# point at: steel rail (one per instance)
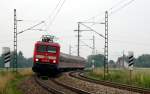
(47, 88)
(74, 89)
(111, 84)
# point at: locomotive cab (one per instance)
(46, 56)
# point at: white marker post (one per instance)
(130, 60)
(130, 65)
(6, 56)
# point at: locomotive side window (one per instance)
(51, 49)
(41, 48)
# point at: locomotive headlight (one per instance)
(54, 61)
(36, 59)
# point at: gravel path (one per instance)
(57, 87)
(29, 86)
(91, 87)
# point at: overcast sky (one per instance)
(129, 27)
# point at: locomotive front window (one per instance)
(41, 48)
(51, 49)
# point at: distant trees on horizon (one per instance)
(23, 62)
(141, 61)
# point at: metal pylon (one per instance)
(15, 43)
(106, 46)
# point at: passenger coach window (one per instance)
(51, 49)
(41, 48)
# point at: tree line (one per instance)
(141, 61)
(23, 62)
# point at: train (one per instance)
(48, 59)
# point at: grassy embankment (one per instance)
(140, 77)
(10, 80)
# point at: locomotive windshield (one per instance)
(51, 49)
(44, 48)
(41, 48)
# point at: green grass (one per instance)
(9, 81)
(140, 77)
(12, 85)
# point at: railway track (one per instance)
(54, 90)
(79, 75)
(46, 87)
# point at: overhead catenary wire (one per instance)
(86, 45)
(116, 5)
(55, 15)
(120, 8)
(93, 30)
(110, 10)
(57, 12)
(53, 12)
(41, 22)
(54, 9)
(30, 28)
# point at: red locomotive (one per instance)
(48, 59)
(46, 55)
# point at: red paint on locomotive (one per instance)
(46, 56)
(46, 52)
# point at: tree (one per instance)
(98, 60)
(143, 61)
(22, 61)
(1, 62)
(112, 64)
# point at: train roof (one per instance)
(71, 56)
(47, 43)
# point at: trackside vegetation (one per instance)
(140, 76)
(9, 81)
